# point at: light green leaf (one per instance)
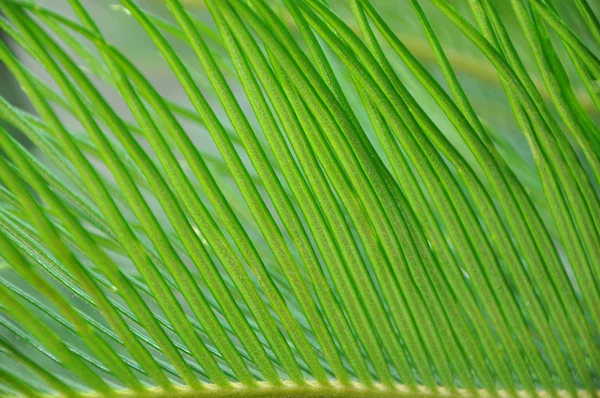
(328, 206)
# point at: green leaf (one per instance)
(323, 209)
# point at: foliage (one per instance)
(328, 212)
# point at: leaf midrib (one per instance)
(313, 390)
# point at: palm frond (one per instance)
(329, 207)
